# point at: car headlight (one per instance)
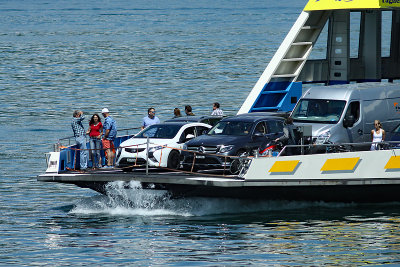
(155, 148)
(323, 138)
(225, 149)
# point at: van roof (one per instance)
(368, 90)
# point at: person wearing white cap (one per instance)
(109, 134)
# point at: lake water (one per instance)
(57, 56)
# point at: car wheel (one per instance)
(173, 160)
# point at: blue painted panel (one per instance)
(278, 96)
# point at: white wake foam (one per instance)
(130, 199)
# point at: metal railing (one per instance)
(339, 147)
(71, 139)
(243, 161)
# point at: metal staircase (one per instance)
(277, 89)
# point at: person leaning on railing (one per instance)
(288, 137)
(79, 134)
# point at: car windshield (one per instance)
(161, 131)
(318, 111)
(231, 128)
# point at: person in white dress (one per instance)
(377, 135)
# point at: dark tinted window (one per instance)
(202, 130)
(231, 128)
(188, 134)
(211, 121)
(354, 110)
(275, 126)
(159, 131)
(261, 128)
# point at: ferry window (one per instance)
(386, 33)
(319, 50)
(355, 20)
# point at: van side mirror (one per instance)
(348, 121)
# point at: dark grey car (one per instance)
(233, 136)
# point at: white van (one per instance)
(346, 113)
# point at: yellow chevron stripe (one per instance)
(343, 164)
(393, 163)
(284, 166)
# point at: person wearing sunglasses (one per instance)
(150, 119)
(377, 135)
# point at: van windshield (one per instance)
(231, 128)
(318, 111)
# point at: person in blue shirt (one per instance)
(109, 134)
(150, 119)
(79, 134)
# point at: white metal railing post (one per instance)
(147, 156)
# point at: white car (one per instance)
(165, 142)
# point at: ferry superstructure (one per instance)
(349, 176)
(280, 85)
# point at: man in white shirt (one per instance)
(216, 110)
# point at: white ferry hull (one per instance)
(368, 176)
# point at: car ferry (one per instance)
(340, 173)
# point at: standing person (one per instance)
(94, 131)
(150, 119)
(79, 134)
(109, 134)
(288, 137)
(377, 135)
(177, 113)
(216, 110)
(188, 110)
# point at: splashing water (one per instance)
(130, 199)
